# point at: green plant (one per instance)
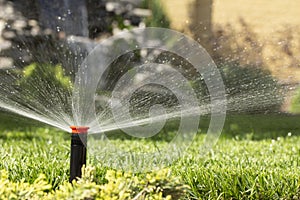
(46, 75)
(248, 89)
(22, 190)
(251, 89)
(119, 186)
(159, 17)
(43, 85)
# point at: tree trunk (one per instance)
(201, 21)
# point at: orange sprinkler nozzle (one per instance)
(79, 129)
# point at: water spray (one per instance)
(78, 150)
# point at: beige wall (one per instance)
(178, 11)
(264, 15)
(281, 51)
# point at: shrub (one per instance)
(45, 74)
(119, 185)
(43, 86)
(251, 89)
(159, 17)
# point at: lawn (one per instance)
(257, 157)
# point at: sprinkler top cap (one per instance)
(79, 129)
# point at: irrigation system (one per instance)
(78, 150)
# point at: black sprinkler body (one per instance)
(78, 151)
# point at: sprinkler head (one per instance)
(78, 151)
(79, 129)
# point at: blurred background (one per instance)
(254, 43)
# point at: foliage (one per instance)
(295, 103)
(22, 190)
(240, 43)
(45, 75)
(156, 185)
(159, 17)
(121, 186)
(251, 89)
(237, 45)
(285, 44)
(248, 89)
(239, 55)
(38, 81)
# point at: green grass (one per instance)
(26, 152)
(241, 169)
(257, 157)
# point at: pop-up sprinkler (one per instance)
(78, 150)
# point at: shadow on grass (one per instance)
(15, 127)
(13, 122)
(241, 126)
(261, 126)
